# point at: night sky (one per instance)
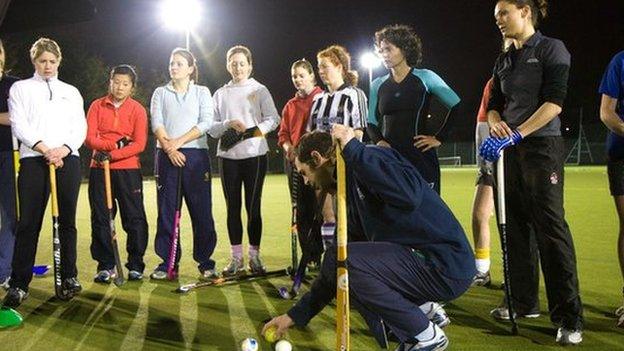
(460, 40)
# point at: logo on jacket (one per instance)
(532, 60)
(554, 178)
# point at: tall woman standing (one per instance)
(182, 113)
(245, 106)
(47, 117)
(529, 87)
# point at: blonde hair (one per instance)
(45, 45)
(338, 55)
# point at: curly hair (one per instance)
(405, 38)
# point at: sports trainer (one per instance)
(530, 85)
(612, 115)
(417, 251)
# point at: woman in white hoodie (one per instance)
(244, 109)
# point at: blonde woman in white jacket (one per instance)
(47, 116)
(244, 108)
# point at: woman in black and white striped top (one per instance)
(341, 103)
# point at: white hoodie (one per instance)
(251, 103)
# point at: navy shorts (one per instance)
(615, 170)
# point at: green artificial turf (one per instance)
(148, 316)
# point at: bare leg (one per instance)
(619, 206)
(482, 209)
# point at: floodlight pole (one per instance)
(188, 39)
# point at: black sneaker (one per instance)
(71, 286)
(135, 275)
(14, 297)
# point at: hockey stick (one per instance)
(502, 227)
(175, 234)
(305, 259)
(342, 273)
(56, 241)
(16, 167)
(183, 289)
(119, 278)
(294, 230)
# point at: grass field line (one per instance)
(135, 337)
(188, 319)
(44, 329)
(102, 308)
(265, 299)
(241, 324)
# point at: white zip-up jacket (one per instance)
(251, 103)
(48, 111)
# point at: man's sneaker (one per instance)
(14, 297)
(482, 279)
(234, 267)
(5, 283)
(71, 286)
(502, 314)
(104, 276)
(255, 265)
(436, 313)
(437, 343)
(158, 275)
(208, 275)
(135, 275)
(620, 322)
(569, 336)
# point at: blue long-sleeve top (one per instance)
(389, 201)
(179, 112)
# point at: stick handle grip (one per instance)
(107, 185)
(55, 211)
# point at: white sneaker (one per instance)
(436, 313)
(620, 314)
(439, 342)
(5, 283)
(569, 336)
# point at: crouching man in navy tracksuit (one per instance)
(416, 250)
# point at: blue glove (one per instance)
(491, 148)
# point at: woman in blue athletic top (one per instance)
(400, 102)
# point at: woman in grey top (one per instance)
(245, 108)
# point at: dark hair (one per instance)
(403, 37)
(126, 70)
(305, 64)
(315, 141)
(190, 60)
(539, 8)
(338, 55)
(239, 49)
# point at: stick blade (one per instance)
(119, 281)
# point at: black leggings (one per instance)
(249, 173)
(34, 190)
